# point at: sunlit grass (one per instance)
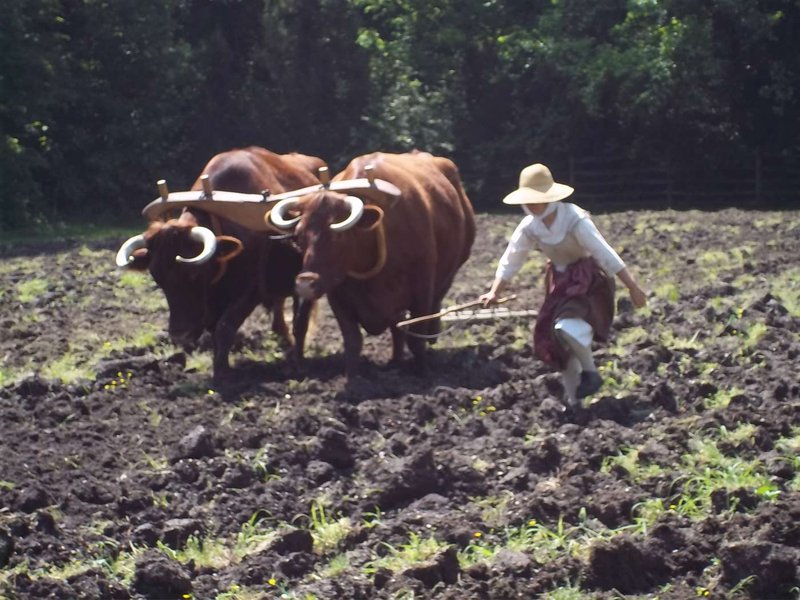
(707, 470)
(335, 567)
(68, 368)
(236, 591)
(738, 435)
(494, 509)
(200, 362)
(404, 556)
(217, 553)
(542, 542)
(721, 398)
(6, 376)
(786, 287)
(146, 336)
(669, 339)
(628, 460)
(327, 531)
(134, 280)
(618, 381)
(32, 289)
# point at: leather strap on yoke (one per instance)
(381, 243)
(222, 262)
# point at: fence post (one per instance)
(669, 172)
(758, 176)
(571, 168)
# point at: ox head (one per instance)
(183, 258)
(336, 235)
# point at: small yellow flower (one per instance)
(272, 581)
(477, 534)
(490, 409)
(532, 522)
(211, 392)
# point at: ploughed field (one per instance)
(124, 474)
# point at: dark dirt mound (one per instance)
(124, 475)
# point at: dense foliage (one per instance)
(98, 98)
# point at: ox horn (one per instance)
(356, 210)
(206, 237)
(131, 245)
(278, 214)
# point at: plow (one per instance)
(469, 312)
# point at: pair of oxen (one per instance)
(383, 239)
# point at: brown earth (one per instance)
(134, 455)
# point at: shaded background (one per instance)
(638, 103)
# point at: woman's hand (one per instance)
(488, 298)
(638, 296)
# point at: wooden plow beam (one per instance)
(447, 314)
(490, 313)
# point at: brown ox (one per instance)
(214, 272)
(376, 261)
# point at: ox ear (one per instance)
(371, 218)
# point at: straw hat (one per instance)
(536, 186)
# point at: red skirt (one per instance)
(582, 291)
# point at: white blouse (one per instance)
(571, 236)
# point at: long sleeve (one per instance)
(516, 252)
(593, 241)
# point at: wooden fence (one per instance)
(614, 183)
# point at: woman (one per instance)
(579, 280)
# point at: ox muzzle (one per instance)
(306, 285)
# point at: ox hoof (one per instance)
(223, 377)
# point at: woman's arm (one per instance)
(590, 238)
(490, 297)
(638, 295)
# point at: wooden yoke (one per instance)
(206, 183)
(249, 210)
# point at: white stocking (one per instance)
(571, 376)
(577, 336)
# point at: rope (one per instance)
(430, 336)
